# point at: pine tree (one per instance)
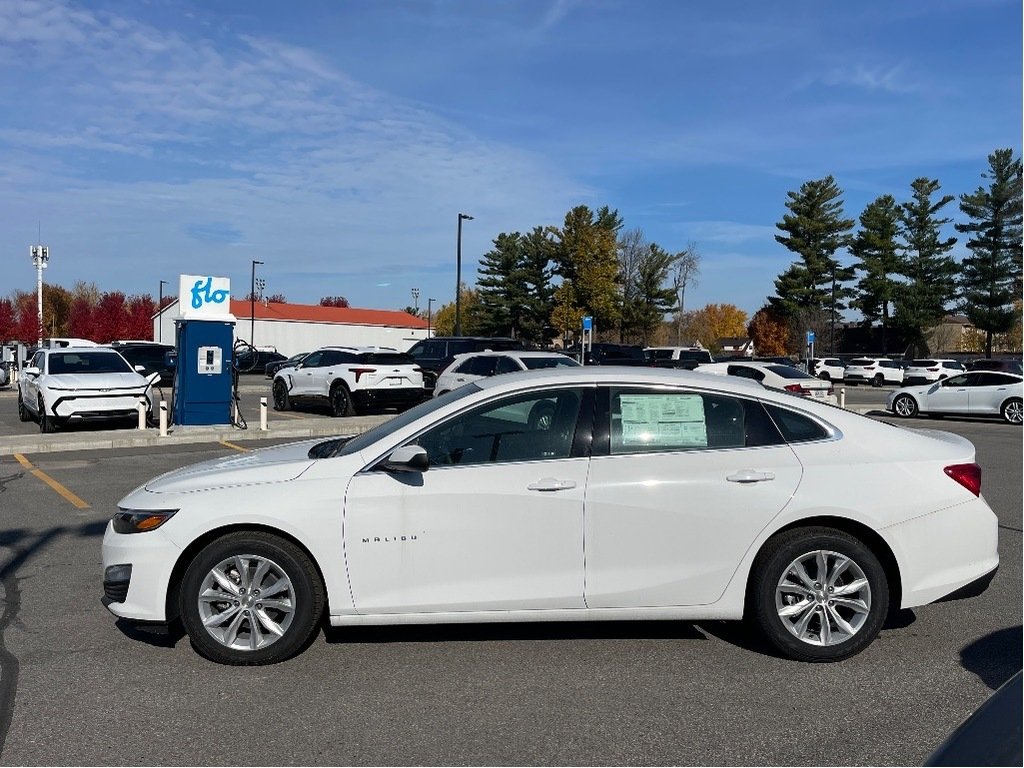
(651, 298)
(534, 273)
(990, 278)
(875, 248)
(816, 231)
(499, 293)
(925, 262)
(585, 257)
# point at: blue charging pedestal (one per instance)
(202, 377)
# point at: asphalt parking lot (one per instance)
(76, 687)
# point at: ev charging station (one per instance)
(204, 338)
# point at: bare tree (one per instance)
(686, 273)
(630, 250)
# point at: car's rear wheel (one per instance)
(878, 380)
(1012, 411)
(281, 400)
(341, 400)
(904, 406)
(818, 594)
(23, 412)
(824, 376)
(251, 598)
(47, 423)
(541, 416)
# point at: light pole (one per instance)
(160, 312)
(416, 299)
(252, 305)
(40, 258)
(458, 276)
(430, 303)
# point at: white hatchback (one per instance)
(649, 494)
(473, 366)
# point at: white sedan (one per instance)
(73, 384)
(978, 393)
(650, 494)
(473, 366)
(785, 378)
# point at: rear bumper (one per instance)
(971, 589)
(385, 397)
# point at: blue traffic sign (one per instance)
(588, 323)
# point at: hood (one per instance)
(96, 381)
(268, 465)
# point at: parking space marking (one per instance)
(290, 415)
(236, 447)
(68, 495)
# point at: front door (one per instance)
(688, 481)
(952, 394)
(495, 523)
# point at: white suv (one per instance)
(928, 371)
(875, 371)
(73, 384)
(827, 368)
(472, 366)
(350, 378)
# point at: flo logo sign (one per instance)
(204, 296)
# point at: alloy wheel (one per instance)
(823, 598)
(905, 406)
(1013, 412)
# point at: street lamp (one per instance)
(458, 276)
(160, 312)
(416, 299)
(430, 302)
(252, 305)
(40, 258)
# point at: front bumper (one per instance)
(151, 556)
(95, 406)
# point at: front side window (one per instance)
(526, 427)
(480, 366)
(555, 361)
(315, 360)
(647, 421)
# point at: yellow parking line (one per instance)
(290, 415)
(77, 502)
(236, 447)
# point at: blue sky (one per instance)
(337, 141)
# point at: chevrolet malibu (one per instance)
(646, 494)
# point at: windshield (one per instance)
(88, 362)
(400, 421)
(557, 361)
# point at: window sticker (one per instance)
(669, 421)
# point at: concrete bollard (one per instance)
(163, 418)
(141, 408)
(842, 397)
(263, 414)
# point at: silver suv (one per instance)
(349, 379)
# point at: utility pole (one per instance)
(458, 276)
(252, 305)
(40, 258)
(160, 312)
(430, 302)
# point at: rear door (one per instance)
(681, 482)
(991, 392)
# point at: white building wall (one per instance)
(290, 337)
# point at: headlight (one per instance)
(141, 520)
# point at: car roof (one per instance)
(509, 353)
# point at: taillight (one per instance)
(797, 388)
(831, 390)
(968, 475)
(360, 371)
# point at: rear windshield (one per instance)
(88, 362)
(386, 358)
(557, 361)
(923, 363)
(862, 361)
(787, 372)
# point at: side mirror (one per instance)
(408, 458)
(31, 370)
(153, 378)
(935, 388)
(140, 369)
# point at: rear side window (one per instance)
(746, 373)
(786, 372)
(555, 361)
(385, 358)
(506, 365)
(652, 421)
(795, 427)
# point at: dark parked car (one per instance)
(277, 365)
(151, 356)
(436, 354)
(604, 353)
(990, 736)
(247, 362)
(1003, 366)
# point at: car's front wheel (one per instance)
(905, 406)
(1012, 411)
(281, 400)
(23, 412)
(47, 423)
(251, 598)
(818, 594)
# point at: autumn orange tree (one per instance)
(769, 331)
(713, 322)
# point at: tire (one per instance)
(280, 392)
(47, 423)
(815, 618)
(242, 636)
(905, 406)
(878, 380)
(1012, 411)
(341, 400)
(824, 376)
(23, 412)
(541, 416)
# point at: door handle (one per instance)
(750, 476)
(551, 484)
